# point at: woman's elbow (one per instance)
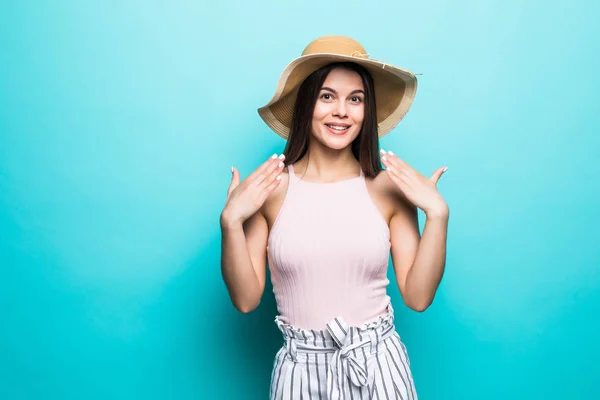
(419, 305)
(246, 307)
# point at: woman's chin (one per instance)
(337, 142)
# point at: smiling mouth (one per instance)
(338, 129)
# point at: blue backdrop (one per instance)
(119, 122)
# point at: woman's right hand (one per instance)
(244, 199)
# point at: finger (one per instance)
(395, 177)
(437, 174)
(275, 173)
(389, 158)
(274, 183)
(261, 172)
(262, 180)
(235, 181)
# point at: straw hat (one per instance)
(395, 87)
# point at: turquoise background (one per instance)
(119, 122)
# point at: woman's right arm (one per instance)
(243, 260)
(244, 234)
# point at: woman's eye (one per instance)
(326, 96)
(356, 99)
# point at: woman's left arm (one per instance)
(419, 261)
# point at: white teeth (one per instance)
(338, 128)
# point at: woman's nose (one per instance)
(340, 109)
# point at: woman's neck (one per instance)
(328, 166)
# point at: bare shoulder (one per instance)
(273, 204)
(388, 196)
(381, 195)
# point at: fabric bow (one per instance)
(342, 362)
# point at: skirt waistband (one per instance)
(325, 338)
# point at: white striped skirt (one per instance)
(342, 362)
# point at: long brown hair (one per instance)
(365, 147)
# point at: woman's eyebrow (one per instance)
(335, 92)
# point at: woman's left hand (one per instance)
(419, 190)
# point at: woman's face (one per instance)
(339, 110)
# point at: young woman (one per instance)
(326, 218)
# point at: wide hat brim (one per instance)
(395, 90)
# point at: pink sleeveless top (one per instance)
(328, 253)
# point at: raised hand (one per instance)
(419, 190)
(244, 199)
